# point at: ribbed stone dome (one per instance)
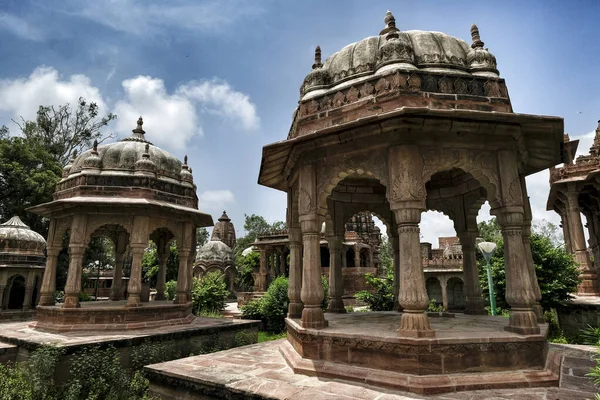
(215, 250)
(409, 50)
(16, 238)
(127, 156)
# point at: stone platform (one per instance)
(197, 337)
(461, 344)
(112, 315)
(260, 372)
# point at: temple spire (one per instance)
(595, 149)
(390, 25)
(317, 63)
(475, 37)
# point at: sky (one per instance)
(219, 79)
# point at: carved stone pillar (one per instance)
(396, 286)
(474, 302)
(371, 261)
(76, 250)
(566, 234)
(260, 278)
(520, 294)
(163, 256)
(336, 281)
(312, 288)
(357, 257)
(27, 300)
(134, 287)
(295, 281)
(444, 285)
(182, 278)
(527, 217)
(592, 226)
(120, 247)
(589, 283)
(282, 262)
(49, 281)
(413, 294)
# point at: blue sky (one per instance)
(219, 79)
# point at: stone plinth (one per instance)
(18, 340)
(113, 315)
(260, 372)
(464, 344)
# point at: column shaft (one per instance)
(474, 301)
(260, 279)
(161, 280)
(73, 285)
(295, 281)
(336, 280)
(312, 288)
(117, 283)
(134, 287)
(182, 278)
(49, 281)
(396, 268)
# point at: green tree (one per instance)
(556, 270)
(386, 257)
(201, 236)
(255, 225)
(246, 265)
(28, 174)
(64, 130)
(209, 293)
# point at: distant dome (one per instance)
(247, 251)
(17, 239)
(215, 250)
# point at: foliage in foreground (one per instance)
(556, 270)
(209, 294)
(382, 297)
(272, 308)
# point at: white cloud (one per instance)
(218, 97)
(169, 119)
(214, 201)
(20, 27)
(172, 119)
(23, 96)
(147, 18)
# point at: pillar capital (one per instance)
(407, 213)
(53, 251)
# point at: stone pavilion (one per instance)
(22, 263)
(398, 124)
(129, 191)
(574, 190)
(217, 253)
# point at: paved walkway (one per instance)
(260, 371)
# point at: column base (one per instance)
(46, 299)
(133, 300)
(475, 306)
(159, 295)
(115, 296)
(522, 321)
(71, 301)
(313, 317)
(295, 310)
(588, 285)
(539, 313)
(336, 306)
(181, 298)
(260, 282)
(415, 324)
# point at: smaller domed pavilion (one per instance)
(217, 254)
(129, 191)
(22, 263)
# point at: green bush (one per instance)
(210, 293)
(252, 310)
(382, 298)
(170, 290)
(83, 296)
(274, 305)
(433, 306)
(246, 265)
(325, 283)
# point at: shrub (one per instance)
(274, 305)
(252, 310)
(83, 296)
(433, 306)
(170, 290)
(382, 298)
(590, 335)
(325, 283)
(210, 293)
(246, 265)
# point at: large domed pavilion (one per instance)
(129, 191)
(22, 263)
(398, 124)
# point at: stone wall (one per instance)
(572, 319)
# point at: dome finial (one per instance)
(390, 24)
(475, 37)
(95, 146)
(185, 158)
(317, 63)
(139, 132)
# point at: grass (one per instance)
(267, 336)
